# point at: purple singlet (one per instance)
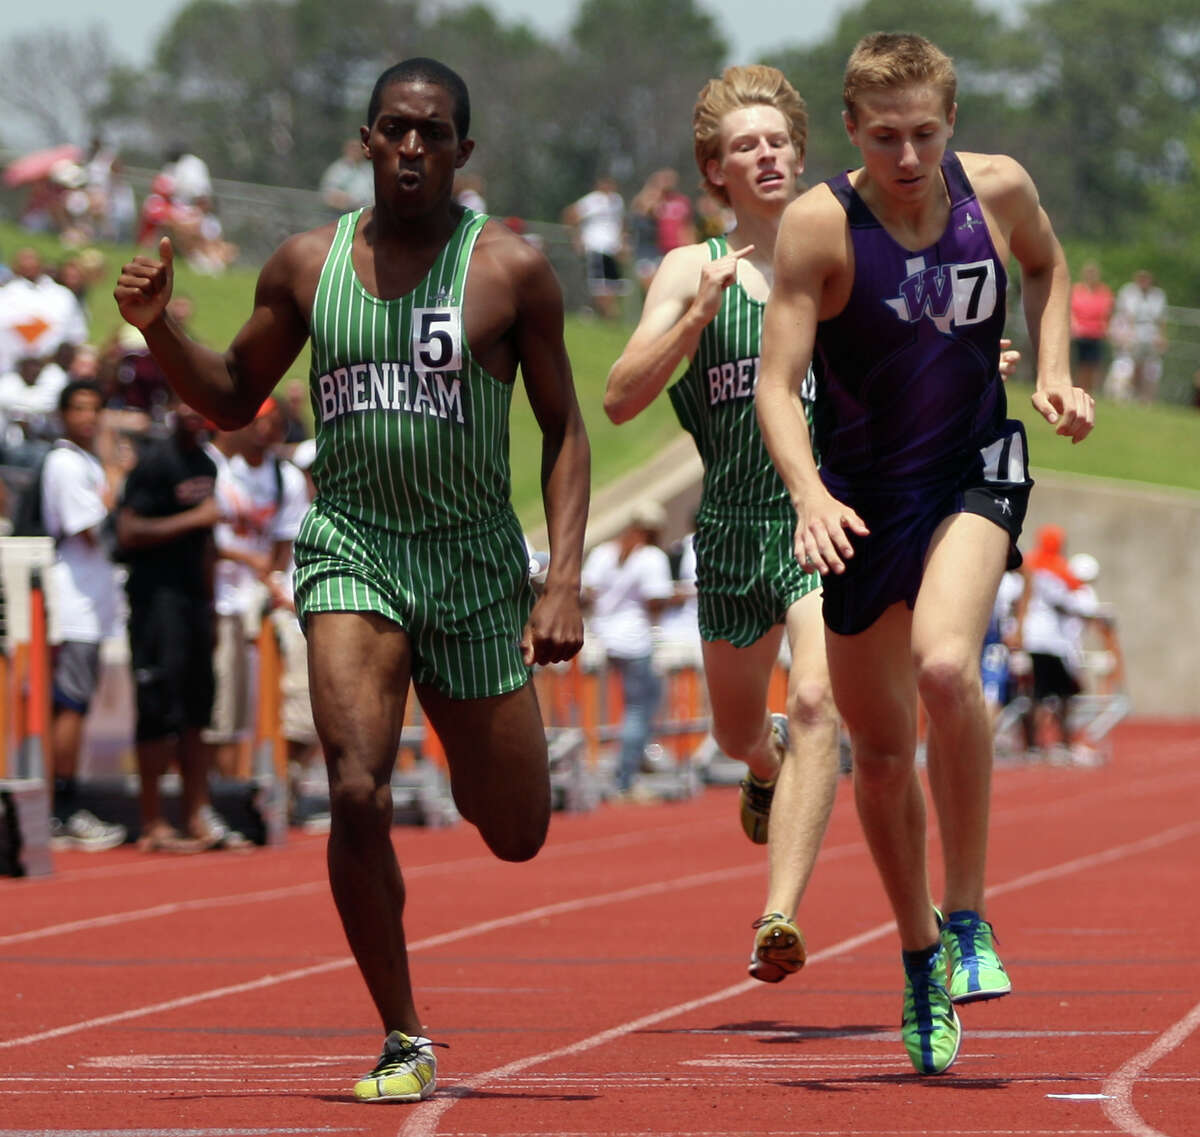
(911, 387)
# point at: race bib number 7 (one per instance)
(437, 339)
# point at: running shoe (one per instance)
(756, 795)
(216, 832)
(976, 972)
(928, 1025)
(406, 1071)
(84, 830)
(778, 948)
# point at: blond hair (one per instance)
(885, 60)
(738, 87)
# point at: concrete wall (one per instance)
(1147, 540)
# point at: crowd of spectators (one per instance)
(140, 495)
(1122, 338)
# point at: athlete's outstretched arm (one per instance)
(1046, 294)
(555, 628)
(681, 302)
(805, 258)
(226, 388)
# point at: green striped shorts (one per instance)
(747, 575)
(463, 596)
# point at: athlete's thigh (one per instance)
(963, 567)
(359, 666)
(738, 680)
(873, 682)
(806, 642)
(496, 753)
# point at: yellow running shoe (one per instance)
(406, 1071)
(778, 948)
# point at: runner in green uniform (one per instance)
(410, 565)
(705, 306)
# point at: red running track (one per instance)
(602, 988)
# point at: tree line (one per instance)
(1100, 99)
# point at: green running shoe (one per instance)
(928, 1025)
(976, 972)
(406, 1071)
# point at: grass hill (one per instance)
(1156, 444)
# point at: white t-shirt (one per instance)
(681, 622)
(191, 178)
(82, 581)
(1051, 617)
(1143, 312)
(23, 401)
(36, 318)
(257, 516)
(600, 217)
(622, 588)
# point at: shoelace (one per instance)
(395, 1054)
(770, 918)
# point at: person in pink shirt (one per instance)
(674, 215)
(1091, 308)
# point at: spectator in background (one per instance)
(76, 501)
(190, 180)
(1091, 311)
(673, 214)
(37, 314)
(348, 181)
(121, 220)
(154, 220)
(627, 584)
(134, 381)
(296, 409)
(295, 712)
(597, 222)
(643, 225)
(99, 181)
(1139, 337)
(468, 192)
(164, 526)
(28, 399)
(262, 500)
(1054, 597)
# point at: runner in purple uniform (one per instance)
(895, 275)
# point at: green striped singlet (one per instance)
(412, 434)
(714, 401)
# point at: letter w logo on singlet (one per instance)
(950, 295)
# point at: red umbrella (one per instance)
(33, 167)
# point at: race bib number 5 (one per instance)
(437, 339)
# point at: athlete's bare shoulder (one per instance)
(1001, 183)
(305, 251)
(295, 266)
(506, 257)
(814, 226)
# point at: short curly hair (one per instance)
(884, 60)
(738, 87)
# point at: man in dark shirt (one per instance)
(164, 527)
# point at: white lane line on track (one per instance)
(465, 864)
(241, 1131)
(839, 1132)
(121, 918)
(655, 888)
(1119, 1109)
(423, 1122)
